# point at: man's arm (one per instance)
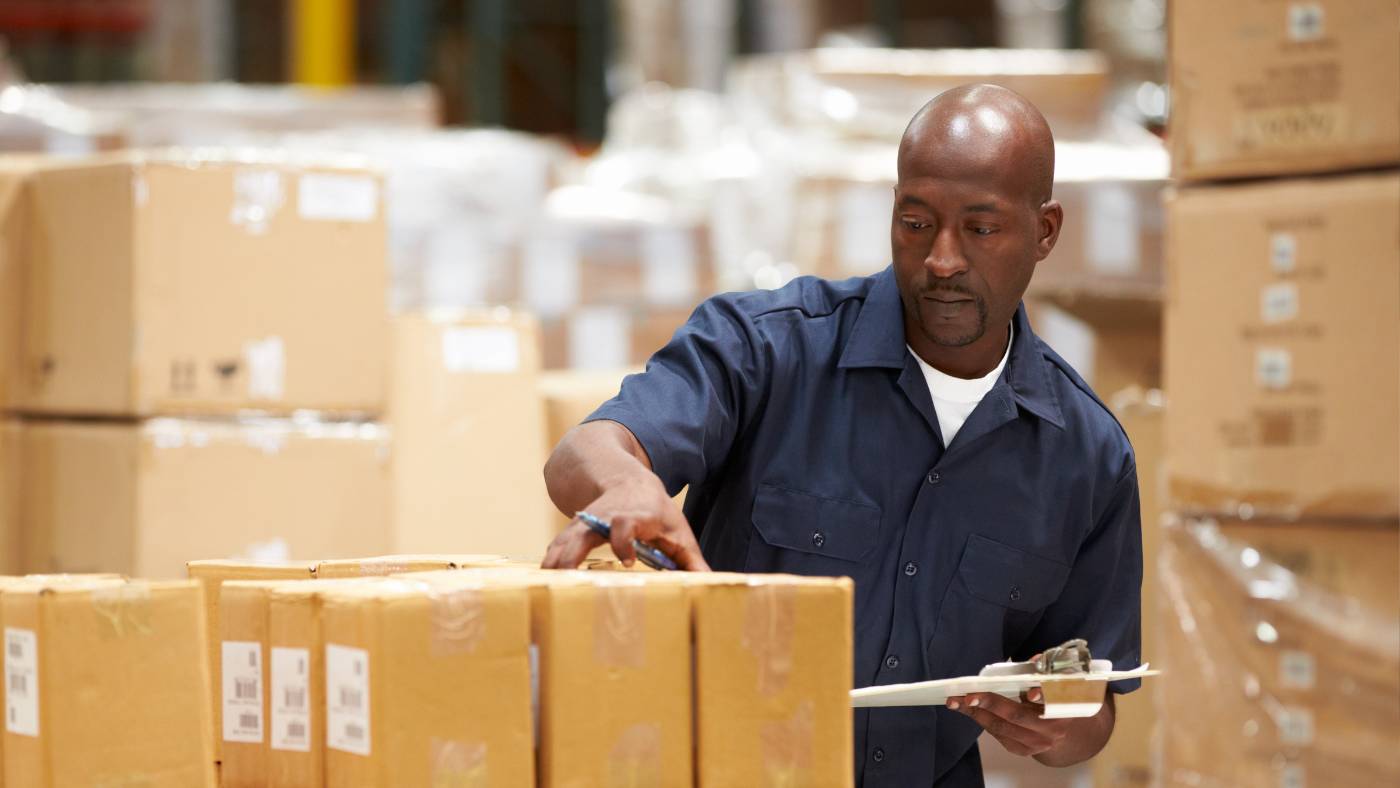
(1019, 728)
(602, 468)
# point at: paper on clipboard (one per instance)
(1066, 695)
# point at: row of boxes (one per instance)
(459, 676)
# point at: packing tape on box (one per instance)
(123, 610)
(457, 615)
(457, 764)
(635, 760)
(769, 621)
(787, 746)
(619, 624)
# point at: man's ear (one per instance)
(1051, 218)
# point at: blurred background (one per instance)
(502, 208)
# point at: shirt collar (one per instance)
(877, 340)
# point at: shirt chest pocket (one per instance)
(994, 604)
(803, 533)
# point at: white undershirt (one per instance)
(954, 399)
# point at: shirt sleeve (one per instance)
(696, 394)
(1102, 600)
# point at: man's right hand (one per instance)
(636, 509)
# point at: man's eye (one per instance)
(913, 225)
(983, 230)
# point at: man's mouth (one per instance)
(949, 299)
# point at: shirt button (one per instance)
(818, 539)
(934, 477)
(1015, 593)
(892, 662)
(911, 569)
(878, 754)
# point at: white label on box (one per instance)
(21, 681)
(1071, 337)
(267, 368)
(337, 198)
(1273, 368)
(242, 672)
(291, 699)
(257, 197)
(68, 143)
(1297, 670)
(1278, 302)
(863, 214)
(1292, 776)
(347, 699)
(1295, 726)
(1114, 226)
(481, 349)
(600, 338)
(1306, 22)
(1283, 252)
(550, 275)
(670, 273)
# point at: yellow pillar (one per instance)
(323, 42)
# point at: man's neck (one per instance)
(969, 361)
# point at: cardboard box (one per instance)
(468, 421)
(1267, 88)
(1280, 677)
(1274, 318)
(118, 688)
(383, 565)
(225, 285)
(123, 497)
(211, 576)
(601, 636)
(1128, 758)
(296, 755)
(11, 486)
(772, 681)
(597, 338)
(14, 226)
(245, 694)
(1113, 343)
(428, 683)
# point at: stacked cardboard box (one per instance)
(468, 420)
(1282, 367)
(169, 313)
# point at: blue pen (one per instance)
(648, 555)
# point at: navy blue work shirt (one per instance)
(805, 430)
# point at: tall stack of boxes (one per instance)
(198, 351)
(1279, 586)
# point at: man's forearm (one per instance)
(1085, 738)
(590, 459)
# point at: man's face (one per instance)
(965, 246)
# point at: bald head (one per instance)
(985, 132)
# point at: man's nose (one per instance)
(945, 257)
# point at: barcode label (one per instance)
(242, 687)
(347, 699)
(22, 681)
(291, 708)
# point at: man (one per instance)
(905, 429)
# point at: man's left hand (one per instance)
(1019, 728)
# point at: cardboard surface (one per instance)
(1282, 364)
(144, 498)
(296, 756)
(11, 487)
(468, 422)
(600, 639)
(1280, 676)
(244, 694)
(1267, 88)
(428, 684)
(122, 692)
(14, 235)
(773, 676)
(253, 325)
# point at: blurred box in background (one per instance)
(468, 423)
(1112, 343)
(202, 285)
(1260, 87)
(11, 486)
(1282, 653)
(1282, 348)
(601, 338)
(141, 498)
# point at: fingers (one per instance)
(624, 530)
(570, 547)
(1017, 726)
(678, 541)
